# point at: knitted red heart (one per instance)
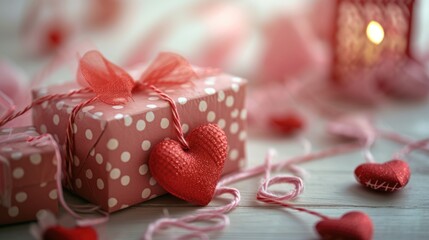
(191, 174)
(389, 176)
(77, 233)
(352, 225)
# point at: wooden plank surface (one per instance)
(330, 189)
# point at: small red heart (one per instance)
(389, 176)
(287, 124)
(191, 174)
(77, 233)
(352, 225)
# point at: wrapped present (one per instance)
(113, 142)
(27, 176)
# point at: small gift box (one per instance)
(27, 175)
(113, 142)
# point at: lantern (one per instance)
(367, 31)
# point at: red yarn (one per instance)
(192, 174)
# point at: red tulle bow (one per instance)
(113, 85)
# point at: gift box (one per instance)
(113, 143)
(27, 179)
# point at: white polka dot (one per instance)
(18, 173)
(76, 100)
(143, 169)
(235, 113)
(74, 128)
(76, 161)
(242, 163)
(69, 110)
(210, 91)
(125, 156)
(53, 194)
(211, 116)
(117, 107)
(42, 92)
(153, 98)
(88, 134)
(152, 181)
(43, 184)
(235, 87)
(97, 115)
(43, 128)
(234, 128)
(170, 91)
(124, 206)
(56, 119)
(119, 116)
(146, 193)
(112, 202)
(16, 155)
(92, 152)
(100, 184)
(128, 120)
(150, 116)
(13, 211)
(164, 123)
(185, 128)
(145, 145)
(243, 114)
(45, 104)
(59, 105)
(151, 106)
(141, 124)
(78, 183)
(125, 180)
(221, 123)
(89, 174)
(112, 144)
(7, 149)
(21, 197)
(115, 173)
(202, 106)
(153, 196)
(99, 158)
(242, 135)
(36, 158)
(108, 167)
(87, 109)
(182, 100)
(233, 154)
(229, 101)
(237, 79)
(210, 81)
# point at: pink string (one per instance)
(411, 147)
(176, 117)
(395, 137)
(47, 139)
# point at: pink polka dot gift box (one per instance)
(113, 142)
(27, 176)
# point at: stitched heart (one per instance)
(352, 225)
(77, 233)
(389, 176)
(191, 174)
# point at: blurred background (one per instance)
(272, 42)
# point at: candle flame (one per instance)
(375, 32)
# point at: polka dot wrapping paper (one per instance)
(31, 174)
(113, 143)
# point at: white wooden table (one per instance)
(331, 189)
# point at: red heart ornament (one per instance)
(389, 176)
(77, 233)
(352, 225)
(287, 124)
(191, 174)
